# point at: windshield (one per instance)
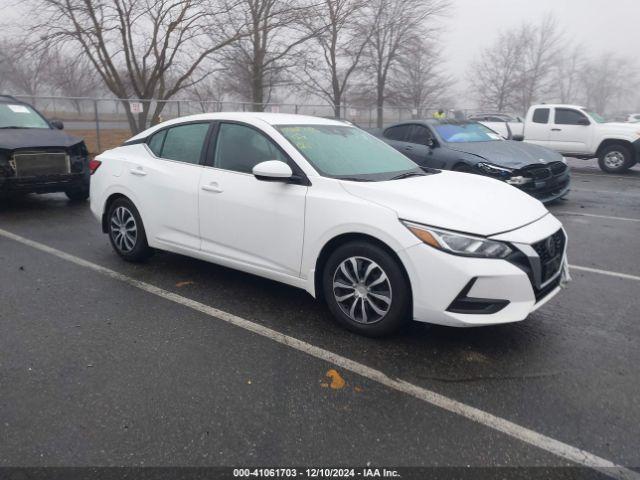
(466, 132)
(348, 153)
(596, 117)
(20, 116)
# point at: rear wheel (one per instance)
(79, 194)
(615, 159)
(366, 289)
(126, 231)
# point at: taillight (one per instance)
(94, 165)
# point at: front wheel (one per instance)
(366, 289)
(615, 159)
(126, 231)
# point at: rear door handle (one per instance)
(138, 171)
(408, 148)
(556, 129)
(212, 187)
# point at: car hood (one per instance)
(454, 201)
(12, 139)
(508, 153)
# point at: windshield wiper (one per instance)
(354, 179)
(407, 175)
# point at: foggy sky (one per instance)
(598, 25)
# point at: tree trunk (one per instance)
(380, 109)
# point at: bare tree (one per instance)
(609, 80)
(340, 39)
(25, 68)
(493, 77)
(516, 70)
(568, 74)
(419, 80)
(73, 76)
(146, 49)
(210, 92)
(539, 56)
(260, 61)
(393, 24)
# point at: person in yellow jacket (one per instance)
(439, 115)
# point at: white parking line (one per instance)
(608, 217)
(551, 445)
(626, 276)
(605, 176)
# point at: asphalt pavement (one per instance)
(94, 371)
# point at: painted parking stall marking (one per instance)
(531, 437)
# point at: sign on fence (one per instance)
(136, 107)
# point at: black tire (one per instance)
(78, 194)
(122, 212)
(615, 158)
(396, 314)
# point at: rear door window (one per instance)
(398, 133)
(182, 143)
(541, 115)
(419, 134)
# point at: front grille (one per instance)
(550, 250)
(37, 164)
(551, 254)
(558, 168)
(537, 172)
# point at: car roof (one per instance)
(249, 117)
(9, 99)
(557, 105)
(432, 122)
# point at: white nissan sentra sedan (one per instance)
(324, 206)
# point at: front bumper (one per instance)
(44, 184)
(548, 182)
(442, 283)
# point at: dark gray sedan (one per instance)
(468, 146)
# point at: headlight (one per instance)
(493, 169)
(458, 243)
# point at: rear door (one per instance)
(165, 179)
(538, 129)
(421, 143)
(398, 137)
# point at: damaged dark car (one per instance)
(36, 156)
(470, 147)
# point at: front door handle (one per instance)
(556, 129)
(408, 148)
(138, 171)
(212, 187)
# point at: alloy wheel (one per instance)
(614, 159)
(362, 290)
(124, 230)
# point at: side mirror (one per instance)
(584, 122)
(431, 143)
(273, 171)
(518, 138)
(57, 124)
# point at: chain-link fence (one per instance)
(106, 123)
